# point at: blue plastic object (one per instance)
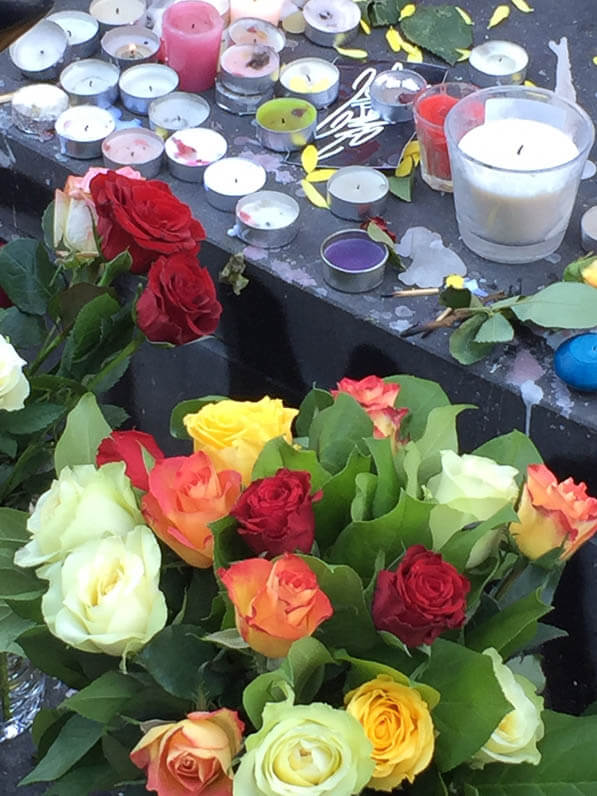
(575, 362)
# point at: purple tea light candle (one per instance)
(352, 261)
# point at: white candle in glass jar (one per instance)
(117, 12)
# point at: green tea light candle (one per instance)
(286, 124)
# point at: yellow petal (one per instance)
(321, 175)
(313, 195)
(465, 15)
(415, 56)
(394, 39)
(523, 6)
(595, 60)
(358, 54)
(529, 83)
(365, 27)
(309, 158)
(455, 280)
(499, 15)
(408, 10)
(413, 150)
(404, 168)
(464, 54)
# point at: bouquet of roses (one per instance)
(325, 601)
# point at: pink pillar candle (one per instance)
(269, 10)
(191, 40)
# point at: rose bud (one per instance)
(377, 398)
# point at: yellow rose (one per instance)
(233, 433)
(589, 274)
(397, 721)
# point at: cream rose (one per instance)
(14, 387)
(515, 738)
(104, 596)
(83, 503)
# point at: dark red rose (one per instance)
(381, 223)
(144, 217)
(126, 446)
(425, 596)
(275, 514)
(179, 303)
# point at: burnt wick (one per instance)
(520, 148)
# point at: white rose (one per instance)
(74, 225)
(515, 738)
(14, 387)
(104, 596)
(83, 503)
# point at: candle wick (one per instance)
(520, 148)
(86, 127)
(150, 90)
(358, 187)
(283, 120)
(41, 52)
(117, 11)
(69, 33)
(193, 26)
(91, 84)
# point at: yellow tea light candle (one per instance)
(312, 79)
(285, 125)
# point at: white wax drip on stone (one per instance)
(564, 86)
(431, 262)
(531, 395)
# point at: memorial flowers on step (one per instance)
(301, 604)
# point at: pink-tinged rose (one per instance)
(127, 447)
(275, 602)
(79, 187)
(185, 495)
(377, 398)
(553, 515)
(192, 757)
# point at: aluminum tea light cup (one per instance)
(286, 124)
(312, 79)
(498, 63)
(81, 130)
(393, 93)
(113, 13)
(142, 84)
(240, 104)
(82, 30)
(352, 262)
(249, 69)
(256, 31)
(137, 147)
(41, 52)
(129, 45)
(177, 111)
(267, 219)
(357, 192)
(229, 179)
(36, 107)
(331, 23)
(189, 151)
(91, 82)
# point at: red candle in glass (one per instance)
(191, 41)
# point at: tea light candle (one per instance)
(41, 52)
(229, 179)
(177, 111)
(137, 147)
(35, 108)
(91, 82)
(285, 125)
(352, 262)
(269, 10)
(110, 13)
(498, 63)
(82, 30)
(392, 94)
(189, 151)
(82, 129)
(237, 103)
(256, 31)
(141, 84)
(267, 219)
(313, 79)
(588, 229)
(357, 192)
(575, 362)
(331, 23)
(222, 7)
(191, 39)
(130, 44)
(249, 68)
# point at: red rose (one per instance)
(144, 217)
(424, 597)
(126, 446)
(179, 302)
(377, 398)
(275, 514)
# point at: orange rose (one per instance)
(275, 602)
(553, 515)
(377, 398)
(185, 495)
(193, 756)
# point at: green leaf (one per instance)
(26, 274)
(496, 329)
(573, 271)
(267, 687)
(121, 264)
(377, 234)
(472, 703)
(277, 453)
(52, 656)
(18, 584)
(336, 430)
(402, 187)
(84, 351)
(462, 341)
(510, 629)
(455, 298)
(11, 627)
(565, 305)
(8, 445)
(361, 507)
(32, 418)
(514, 449)
(419, 396)
(440, 29)
(387, 492)
(104, 698)
(13, 527)
(440, 435)
(85, 428)
(115, 416)
(67, 304)
(177, 428)
(230, 639)
(385, 12)
(314, 402)
(458, 548)
(77, 781)
(24, 331)
(76, 738)
(229, 546)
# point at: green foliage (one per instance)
(177, 427)
(336, 430)
(314, 402)
(514, 449)
(277, 453)
(104, 698)
(85, 428)
(27, 275)
(440, 435)
(419, 396)
(439, 29)
(402, 187)
(24, 331)
(496, 329)
(463, 341)
(565, 305)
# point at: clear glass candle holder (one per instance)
(517, 156)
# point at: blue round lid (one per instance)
(575, 362)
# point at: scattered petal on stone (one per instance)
(499, 15)
(313, 195)
(321, 175)
(464, 54)
(394, 39)
(357, 54)
(408, 10)
(523, 6)
(365, 27)
(415, 55)
(309, 158)
(404, 168)
(465, 15)
(595, 60)
(295, 23)
(413, 150)
(529, 83)
(455, 280)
